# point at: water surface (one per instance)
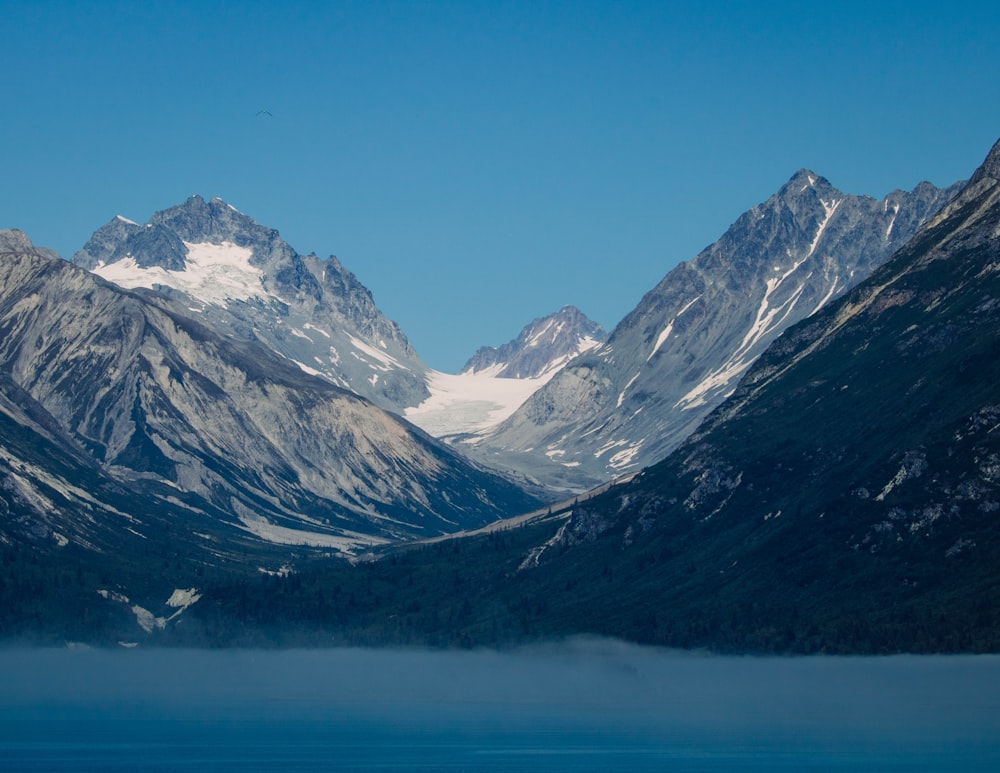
(586, 705)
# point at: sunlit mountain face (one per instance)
(626, 403)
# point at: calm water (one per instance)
(582, 706)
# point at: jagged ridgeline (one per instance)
(245, 280)
(542, 347)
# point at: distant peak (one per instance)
(543, 346)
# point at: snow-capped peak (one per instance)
(543, 346)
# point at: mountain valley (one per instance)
(793, 435)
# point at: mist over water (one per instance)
(587, 705)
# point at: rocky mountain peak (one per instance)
(14, 240)
(802, 180)
(247, 281)
(545, 344)
(213, 221)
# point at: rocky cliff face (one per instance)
(682, 350)
(245, 280)
(129, 385)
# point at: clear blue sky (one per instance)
(478, 164)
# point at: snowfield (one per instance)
(470, 402)
(214, 273)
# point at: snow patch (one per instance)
(386, 362)
(213, 273)
(183, 598)
(624, 458)
(608, 446)
(631, 381)
(665, 333)
(311, 326)
(892, 221)
(147, 620)
(306, 369)
(720, 378)
(829, 295)
(829, 208)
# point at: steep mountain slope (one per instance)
(127, 383)
(542, 347)
(627, 403)
(245, 280)
(846, 496)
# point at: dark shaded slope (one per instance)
(847, 496)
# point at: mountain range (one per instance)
(563, 406)
(244, 280)
(625, 404)
(814, 417)
(131, 384)
(843, 499)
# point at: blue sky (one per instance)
(479, 164)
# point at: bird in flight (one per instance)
(265, 112)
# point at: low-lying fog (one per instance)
(594, 689)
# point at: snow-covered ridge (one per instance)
(213, 273)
